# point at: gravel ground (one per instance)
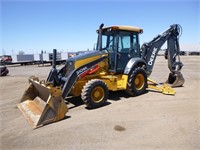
(147, 122)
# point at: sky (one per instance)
(70, 25)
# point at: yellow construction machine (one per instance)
(118, 63)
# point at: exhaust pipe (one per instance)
(100, 37)
(54, 58)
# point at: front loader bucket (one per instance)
(42, 104)
(176, 80)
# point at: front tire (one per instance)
(137, 82)
(94, 93)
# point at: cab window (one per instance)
(128, 43)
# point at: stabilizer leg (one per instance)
(162, 88)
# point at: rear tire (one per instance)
(94, 93)
(137, 82)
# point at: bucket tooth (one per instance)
(176, 80)
(42, 104)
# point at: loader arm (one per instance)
(57, 77)
(151, 49)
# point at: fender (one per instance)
(133, 62)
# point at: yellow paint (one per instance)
(124, 28)
(97, 94)
(77, 88)
(37, 106)
(127, 28)
(116, 82)
(139, 81)
(165, 89)
(82, 62)
(122, 82)
(152, 81)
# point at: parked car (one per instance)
(6, 58)
(194, 53)
(182, 53)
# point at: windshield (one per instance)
(107, 39)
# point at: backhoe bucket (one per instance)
(42, 104)
(176, 80)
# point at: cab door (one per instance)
(128, 47)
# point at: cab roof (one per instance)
(125, 28)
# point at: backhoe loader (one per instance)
(118, 63)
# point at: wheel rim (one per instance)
(139, 81)
(97, 94)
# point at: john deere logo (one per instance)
(80, 71)
(152, 57)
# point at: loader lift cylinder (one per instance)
(53, 75)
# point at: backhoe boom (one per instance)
(150, 51)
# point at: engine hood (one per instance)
(86, 55)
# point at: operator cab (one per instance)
(122, 44)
